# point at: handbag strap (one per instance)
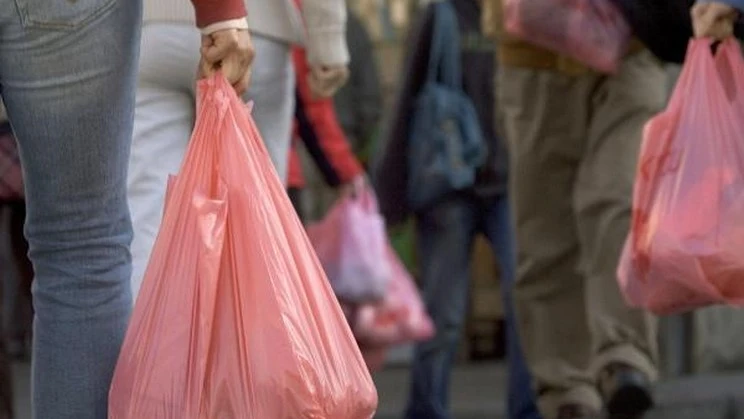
(444, 56)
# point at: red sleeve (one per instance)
(321, 132)
(213, 11)
(295, 178)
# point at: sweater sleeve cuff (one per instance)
(241, 23)
(327, 47)
(209, 12)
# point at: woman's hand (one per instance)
(230, 51)
(713, 20)
(325, 81)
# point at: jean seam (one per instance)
(89, 17)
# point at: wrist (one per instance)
(239, 24)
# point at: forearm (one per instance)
(326, 31)
(213, 14)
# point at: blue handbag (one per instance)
(446, 144)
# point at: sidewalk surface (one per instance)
(478, 394)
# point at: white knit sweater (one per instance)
(323, 33)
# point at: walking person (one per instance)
(165, 111)
(359, 102)
(447, 229)
(67, 79)
(573, 137)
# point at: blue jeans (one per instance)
(445, 239)
(67, 74)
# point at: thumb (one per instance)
(213, 50)
(206, 69)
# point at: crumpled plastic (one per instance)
(686, 245)
(594, 32)
(400, 318)
(351, 243)
(236, 318)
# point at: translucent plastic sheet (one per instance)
(351, 243)
(236, 319)
(686, 246)
(593, 32)
(399, 318)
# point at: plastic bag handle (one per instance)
(654, 150)
(730, 64)
(365, 196)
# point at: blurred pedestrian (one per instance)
(446, 230)
(359, 102)
(165, 96)
(573, 139)
(317, 127)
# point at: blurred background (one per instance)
(702, 352)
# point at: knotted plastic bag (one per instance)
(351, 244)
(236, 319)
(400, 318)
(593, 32)
(686, 245)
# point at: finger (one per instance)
(314, 88)
(699, 9)
(216, 52)
(703, 25)
(205, 70)
(722, 30)
(230, 69)
(206, 41)
(242, 85)
(326, 83)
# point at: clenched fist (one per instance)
(230, 51)
(713, 20)
(325, 81)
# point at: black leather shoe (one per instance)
(626, 392)
(576, 411)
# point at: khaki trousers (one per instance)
(573, 145)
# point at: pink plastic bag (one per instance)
(350, 242)
(400, 318)
(235, 318)
(593, 32)
(686, 245)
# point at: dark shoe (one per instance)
(576, 411)
(626, 392)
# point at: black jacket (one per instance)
(359, 103)
(665, 26)
(390, 173)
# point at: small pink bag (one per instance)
(400, 318)
(350, 243)
(593, 32)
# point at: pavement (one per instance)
(477, 393)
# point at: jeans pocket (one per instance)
(61, 14)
